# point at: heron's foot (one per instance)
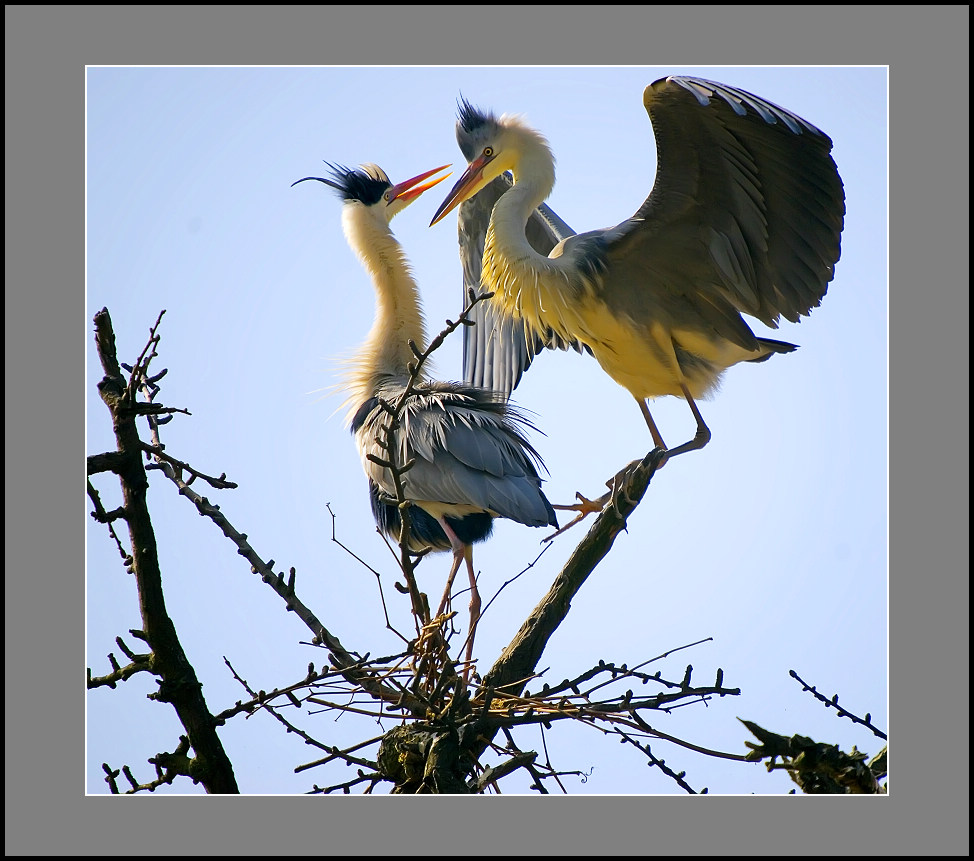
(667, 453)
(584, 507)
(619, 483)
(617, 490)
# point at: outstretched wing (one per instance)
(745, 215)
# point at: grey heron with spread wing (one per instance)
(745, 217)
(471, 460)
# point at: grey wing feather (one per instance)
(496, 351)
(514, 494)
(746, 220)
(468, 449)
(549, 226)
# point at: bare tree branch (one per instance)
(178, 683)
(834, 703)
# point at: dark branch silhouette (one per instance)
(178, 684)
(834, 703)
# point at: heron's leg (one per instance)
(458, 547)
(445, 600)
(657, 437)
(461, 552)
(701, 437)
(475, 606)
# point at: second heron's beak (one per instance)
(409, 190)
(467, 186)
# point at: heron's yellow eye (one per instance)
(488, 151)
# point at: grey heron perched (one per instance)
(471, 459)
(744, 217)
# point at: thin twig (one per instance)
(834, 704)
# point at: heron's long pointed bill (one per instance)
(410, 189)
(467, 186)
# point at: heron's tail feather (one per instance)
(773, 347)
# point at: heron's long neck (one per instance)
(398, 318)
(527, 284)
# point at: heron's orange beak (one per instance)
(467, 186)
(409, 190)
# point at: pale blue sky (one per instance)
(772, 540)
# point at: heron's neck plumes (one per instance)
(398, 318)
(525, 283)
